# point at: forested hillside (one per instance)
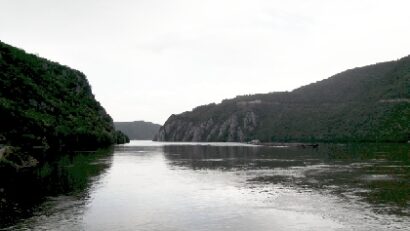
(44, 105)
(138, 130)
(369, 104)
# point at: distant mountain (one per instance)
(370, 103)
(46, 105)
(138, 130)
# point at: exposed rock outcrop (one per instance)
(235, 127)
(16, 158)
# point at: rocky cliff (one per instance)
(370, 103)
(230, 128)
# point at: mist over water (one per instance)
(148, 185)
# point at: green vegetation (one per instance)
(368, 104)
(138, 130)
(71, 174)
(44, 105)
(121, 138)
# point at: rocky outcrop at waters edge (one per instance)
(232, 128)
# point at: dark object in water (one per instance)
(308, 145)
(298, 145)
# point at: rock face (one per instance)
(370, 103)
(235, 127)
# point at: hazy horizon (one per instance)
(146, 60)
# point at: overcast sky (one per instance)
(148, 59)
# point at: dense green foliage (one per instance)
(44, 104)
(371, 103)
(138, 130)
(121, 138)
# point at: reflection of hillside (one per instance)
(72, 174)
(235, 157)
(377, 173)
(137, 149)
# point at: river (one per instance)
(148, 185)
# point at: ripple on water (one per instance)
(149, 186)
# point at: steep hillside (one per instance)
(371, 103)
(138, 130)
(44, 105)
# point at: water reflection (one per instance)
(23, 194)
(376, 173)
(174, 186)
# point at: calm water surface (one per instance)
(148, 185)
